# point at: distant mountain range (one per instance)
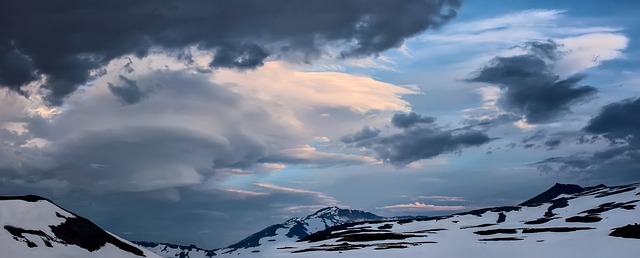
(564, 221)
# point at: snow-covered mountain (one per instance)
(564, 221)
(33, 226)
(291, 230)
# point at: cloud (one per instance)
(590, 50)
(310, 157)
(68, 52)
(323, 198)
(401, 120)
(420, 207)
(365, 134)
(176, 137)
(617, 120)
(541, 138)
(417, 142)
(517, 27)
(129, 93)
(278, 82)
(618, 124)
(231, 123)
(529, 85)
(443, 198)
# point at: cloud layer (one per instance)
(417, 139)
(618, 124)
(81, 37)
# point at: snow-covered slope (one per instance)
(590, 222)
(33, 227)
(269, 238)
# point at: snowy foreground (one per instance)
(33, 227)
(565, 221)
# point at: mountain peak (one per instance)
(342, 215)
(327, 210)
(556, 190)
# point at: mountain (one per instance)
(291, 230)
(564, 221)
(552, 193)
(36, 227)
(578, 222)
(298, 228)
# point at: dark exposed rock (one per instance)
(539, 221)
(375, 237)
(556, 204)
(83, 233)
(479, 212)
(433, 230)
(628, 231)
(26, 198)
(496, 231)
(478, 226)
(390, 247)
(386, 226)
(501, 239)
(501, 217)
(610, 206)
(584, 219)
(298, 231)
(19, 235)
(554, 229)
(621, 189)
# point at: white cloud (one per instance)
(420, 207)
(308, 90)
(441, 198)
(324, 199)
(590, 50)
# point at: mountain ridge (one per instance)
(35, 226)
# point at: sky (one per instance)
(201, 122)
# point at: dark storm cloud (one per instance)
(617, 120)
(64, 41)
(529, 85)
(619, 124)
(401, 120)
(415, 143)
(242, 56)
(129, 93)
(15, 68)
